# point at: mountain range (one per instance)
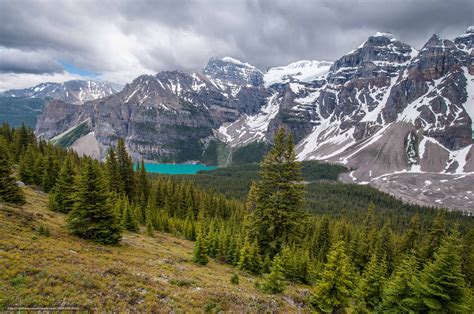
(399, 118)
(19, 106)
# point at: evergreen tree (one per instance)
(150, 229)
(9, 191)
(113, 174)
(408, 242)
(128, 219)
(200, 251)
(369, 291)
(27, 161)
(125, 170)
(277, 217)
(250, 258)
(143, 188)
(61, 198)
(333, 291)
(442, 287)
(275, 281)
(91, 216)
(433, 240)
(398, 293)
(50, 173)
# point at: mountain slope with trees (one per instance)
(269, 235)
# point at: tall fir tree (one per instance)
(333, 291)
(442, 287)
(50, 172)
(250, 258)
(9, 191)
(91, 216)
(112, 172)
(128, 221)
(125, 169)
(275, 280)
(370, 288)
(61, 198)
(398, 293)
(278, 214)
(200, 251)
(432, 241)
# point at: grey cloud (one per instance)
(32, 62)
(122, 38)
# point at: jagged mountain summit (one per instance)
(74, 91)
(385, 109)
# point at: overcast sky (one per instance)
(118, 40)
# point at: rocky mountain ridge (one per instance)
(74, 91)
(383, 108)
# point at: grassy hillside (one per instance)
(142, 273)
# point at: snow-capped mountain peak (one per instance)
(233, 71)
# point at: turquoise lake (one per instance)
(177, 168)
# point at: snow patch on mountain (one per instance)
(249, 128)
(304, 71)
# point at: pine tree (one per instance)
(409, 241)
(150, 229)
(398, 293)
(250, 258)
(200, 251)
(333, 291)
(61, 198)
(278, 215)
(50, 173)
(128, 219)
(9, 191)
(433, 240)
(369, 291)
(91, 216)
(125, 170)
(112, 172)
(275, 281)
(442, 287)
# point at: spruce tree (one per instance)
(369, 291)
(399, 293)
(278, 214)
(333, 291)
(112, 172)
(61, 198)
(433, 240)
(128, 221)
(250, 258)
(125, 169)
(50, 173)
(200, 251)
(442, 287)
(9, 191)
(91, 216)
(143, 185)
(275, 281)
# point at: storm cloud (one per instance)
(123, 39)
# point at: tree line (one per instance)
(367, 265)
